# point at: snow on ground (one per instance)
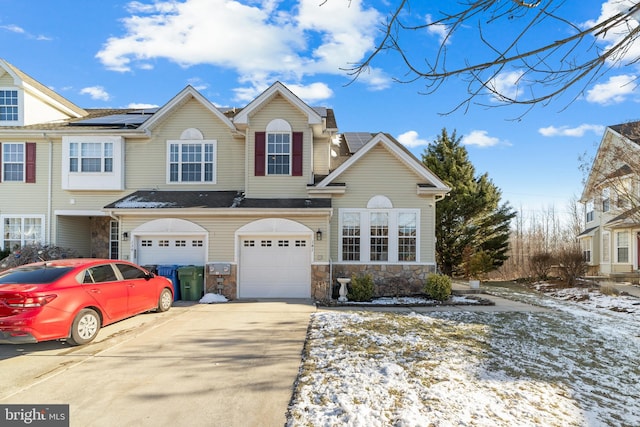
(575, 365)
(453, 299)
(212, 298)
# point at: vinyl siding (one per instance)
(381, 173)
(74, 232)
(321, 156)
(222, 244)
(146, 162)
(5, 79)
(278, 186)
(27, 198)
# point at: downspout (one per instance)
(116, 218)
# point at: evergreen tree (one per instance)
(470, 219)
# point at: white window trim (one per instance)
(617, 247)
(3, 163)
(365, 235)
(202, 143)
(20, 121)
(22, 217)
(96, 181)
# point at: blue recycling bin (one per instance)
(171, 272)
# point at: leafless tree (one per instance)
(544, 53)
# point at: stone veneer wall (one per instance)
(100, 237)
(389, 279)
(229, 282)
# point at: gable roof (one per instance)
(242, 118)
(29, 84)
(181, 98)
(626, 133)
(433, 185)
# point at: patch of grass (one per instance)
(609, 290)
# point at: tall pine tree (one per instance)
(470, 219)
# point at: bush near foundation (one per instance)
(361, 288)
(438, 286)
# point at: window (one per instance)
(90, 157)
(278, 153)
(407, 237)
(249, 243)
(351, 236)
(283, 243)
(622, 243)
(605, 200)
(21, 231)
(605, 247)
(181, 243)
(586, 249)
(191, 161)
(8, 105)
(114, 240)
(130, 272)
(379, 235)
(266, 243)
(13, 162)
(590, 215)
(100, 274)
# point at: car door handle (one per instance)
(95, 291)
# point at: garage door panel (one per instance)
(275, 267)
(179, 250)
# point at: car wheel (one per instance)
(85, 327)
(165, 300)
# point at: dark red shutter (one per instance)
(296, 166)
(0, 162)
(260, 159)
(30, 164)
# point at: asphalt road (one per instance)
(228, 364)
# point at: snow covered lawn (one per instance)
(577, 365)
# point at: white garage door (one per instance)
(275, 267)
(172, 250)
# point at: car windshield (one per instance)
(34, 275)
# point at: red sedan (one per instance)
(72, 299)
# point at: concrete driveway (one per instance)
(228, 364)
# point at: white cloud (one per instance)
(439, 30)
(479, 138)
(284, 44)
(13, 28)
(141, 106)
(506, 84)
(411, 139)
(614, 91)
(309, 93)
(95, 92)
(578, 131)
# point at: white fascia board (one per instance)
(242, 118)
(408, 160)
(83, 212)
(48, 100)
(181, 97)
(328, 190)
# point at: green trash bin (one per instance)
(191, 280)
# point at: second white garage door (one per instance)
(275, 267)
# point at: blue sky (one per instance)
(142, 53)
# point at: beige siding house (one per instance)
(610, 241)
(270, 199)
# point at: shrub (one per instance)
(438, 286)
(572, 264)
(541, 264)
(361, 288)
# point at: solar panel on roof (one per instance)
(115, 120)
(356, 140)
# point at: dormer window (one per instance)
(8, 105)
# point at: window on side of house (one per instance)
(589, 211)
(407, 236)
(606, 201)
(20, 231)
(622, 247)
(9, 106)
(586, 249)
(192, 161)
(351, 236)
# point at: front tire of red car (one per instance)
(165, 300)
(85, 327)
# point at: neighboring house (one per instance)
(611, 240)
(270, 198)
